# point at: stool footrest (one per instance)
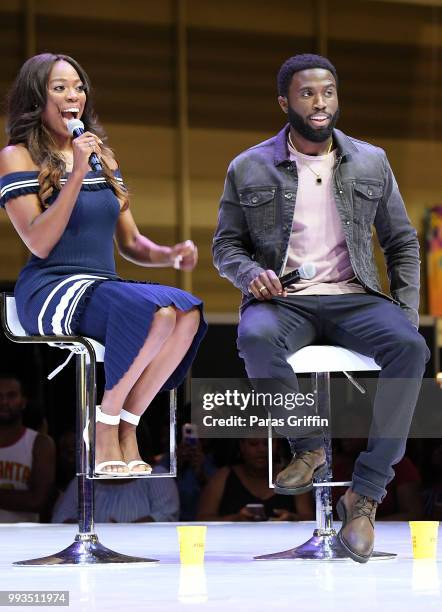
(131, 476)
(333, 484)
(322, 533)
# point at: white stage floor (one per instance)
(230, 579)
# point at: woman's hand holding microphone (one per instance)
(83, 146)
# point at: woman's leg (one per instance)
(154, 376)
(107, 446)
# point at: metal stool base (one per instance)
(85, 550)
(320, 547)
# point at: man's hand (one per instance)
(184, 255)
(266, 285)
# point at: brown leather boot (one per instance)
(298, 476)
(357, 514)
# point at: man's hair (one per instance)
(13, 376)
(304, 61)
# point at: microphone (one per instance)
(76, 129)
(306, 271)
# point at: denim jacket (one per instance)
(257, 207)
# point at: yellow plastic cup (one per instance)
(192, 541)
(424, 538)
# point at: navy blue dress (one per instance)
(76, 290)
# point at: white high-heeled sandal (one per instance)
(134, 419)
(108, 419)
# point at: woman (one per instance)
(68, 216)
(241, 492)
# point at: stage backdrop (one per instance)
(388, 57)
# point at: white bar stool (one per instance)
(319, 361)
(86, 548)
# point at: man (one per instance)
(27, 459)
(312, 193)
(124, 500)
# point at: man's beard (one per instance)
(10, 418)
(299, 124)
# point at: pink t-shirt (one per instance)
(317, 235)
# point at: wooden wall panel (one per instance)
(393, 94)
(120, 11)
(388, 56)
(131, 65)
(232, 77)
(13, 254)
(261, 17)
(388, 59)
(368, 21)
(11, 51)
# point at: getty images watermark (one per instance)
(241, 400)
(229, 408)
(221, 409)
(254, 399)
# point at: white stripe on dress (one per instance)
(54, 291)
(60, 309)
(18, 185)
(73, 306)
(34, 183)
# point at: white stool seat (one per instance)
(327, 358)
(16, 328)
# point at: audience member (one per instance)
(124, 500)
(66, 459)
(195, 462)
(403, 501)
(27, 459)
(241, 492)
(195, 465)
(433, 485)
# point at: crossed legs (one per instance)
(169, 339)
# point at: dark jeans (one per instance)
(271, 331)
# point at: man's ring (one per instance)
(261, 289)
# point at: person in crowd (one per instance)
(195, 466)
(124, 500)
(68, 215)
(27, 459)
(403, 500)
(66, 459)
(194, 460)
(313, 194)
(433, 480)
(240, 492)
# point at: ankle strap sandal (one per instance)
(129, 417)
(108, 419)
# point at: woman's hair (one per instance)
(25, 104)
